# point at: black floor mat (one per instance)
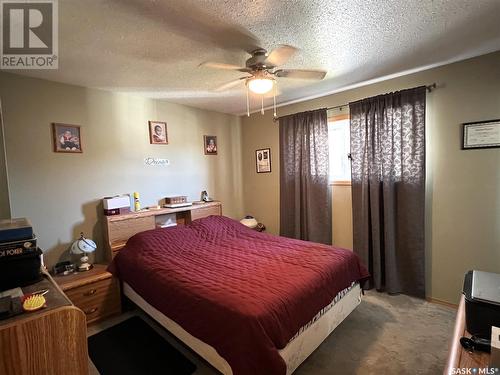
(133, 347)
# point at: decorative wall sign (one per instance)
(481, 134)
(66, 138)
(158, 133)
(210, 143)
(263, 160)
(156, 162)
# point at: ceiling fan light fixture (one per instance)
(260, 85)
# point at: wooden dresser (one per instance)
(51, 341)
(458, 357)
(119, 228)
(95, 292)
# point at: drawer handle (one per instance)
(91, 311)
(90, 292)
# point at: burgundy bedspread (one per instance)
(244, 293)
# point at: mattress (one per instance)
(295, 352)
(251, 289)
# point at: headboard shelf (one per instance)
(119, 228)
(161, 211)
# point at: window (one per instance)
(339, 143)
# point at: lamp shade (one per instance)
(83, 245)
(260, 85)
(249, 221)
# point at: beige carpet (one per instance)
(385, 335)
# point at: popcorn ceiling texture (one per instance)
(153, 48)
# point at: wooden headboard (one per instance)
(119, 228)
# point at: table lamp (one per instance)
(82, 247)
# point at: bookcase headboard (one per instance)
(119, 228)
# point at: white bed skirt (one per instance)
(294, 353)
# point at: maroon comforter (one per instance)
(244, 293)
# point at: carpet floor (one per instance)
(385, 335)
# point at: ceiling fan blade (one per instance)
(193, 22)
(280, 55)
(216, 65)
(230, 84)
(300, 73)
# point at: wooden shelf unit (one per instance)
(119, 228)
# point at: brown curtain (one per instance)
(305, 199)
(388, 188)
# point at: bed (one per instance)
(247, 302)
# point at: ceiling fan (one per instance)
(263, 69)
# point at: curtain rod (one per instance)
(429, 88)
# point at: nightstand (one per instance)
(95, 292)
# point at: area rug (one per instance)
(133, 347)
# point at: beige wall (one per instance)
(61, 192)
(4, 188)
(463, 197)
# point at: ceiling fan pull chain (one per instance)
(274, 100)
(248, 104)
(262, 104)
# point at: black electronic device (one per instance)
(482, 302)
(20, 269)
(474, 343)
(64, 267)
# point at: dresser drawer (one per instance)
(98, 299)
(99, 310)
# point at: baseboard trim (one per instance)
(441, 302)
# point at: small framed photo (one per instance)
(263, 160)
(158, 133)
(210, 144)
(66, 138)
(481, 134)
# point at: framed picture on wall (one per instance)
(158, 133)
(210, 144)
(481, 134)
(66, 138)
(263, 160)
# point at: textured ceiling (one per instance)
(153, 48)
